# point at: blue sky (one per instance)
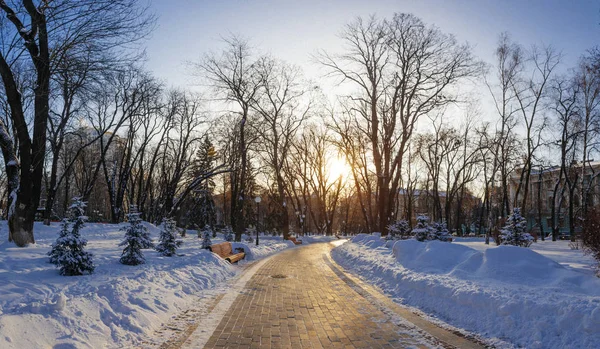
(293, 30)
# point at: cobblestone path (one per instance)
(296, 300)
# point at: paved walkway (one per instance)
(296, 300)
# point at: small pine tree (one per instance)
(136, 239)
(59, 249)
(206, 233)
(68, 250)
(515, 231)
(421, 231)
(183, 232)
(228, 234)
(250, 231)
(168, 243)
(398, 230)
(439, 231)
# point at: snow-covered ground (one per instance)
(558, 251)
(543, 297)
(117, 306)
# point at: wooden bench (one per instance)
(225, 251)
(296, 242)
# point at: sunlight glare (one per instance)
(338, 167)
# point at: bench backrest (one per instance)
(223, 249)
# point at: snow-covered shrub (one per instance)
(136, 239)
(205, 234)
(398, 230)
(421, 230)
(228, 234)
(434, 231)
(590, 235)
(168, 243)
(250, 231)
(515, 231)
(439, 231)
(576, 245)
(68, 250)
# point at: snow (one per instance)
(559, 251)
(509, 296)
(117, 306)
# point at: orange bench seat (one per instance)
(225, 251)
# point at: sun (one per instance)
(338, 168)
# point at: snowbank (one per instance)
(117, 306)
(507, 294)
(266, 246)
(558, 251)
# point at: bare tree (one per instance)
(41, 34)
(486, 155)
(310, 172)
(587, 76)
(566, 93)
(118, 106)
(509, 63)
(403, 70)
(354, 145)
(450, 159)
(282, 109)
(433, 149)
(530, 94)
(234, 76)
(179, 149)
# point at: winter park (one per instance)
(299, 174)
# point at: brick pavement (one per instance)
(295, 300)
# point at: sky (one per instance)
(294, 30)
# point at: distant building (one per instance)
(542, 182)
(412, 203)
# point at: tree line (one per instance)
(81, 119)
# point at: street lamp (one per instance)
(257, 200)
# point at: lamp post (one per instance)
(257, 200)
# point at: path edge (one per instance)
(201, 335)
(449, 338)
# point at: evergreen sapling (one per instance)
(206, 233)
(421, 231)
(439, 231)
(68, 250)
(515, 231)
(398, 230)
(250, 231)
(228, 234)
(136, 239)
(168, 243)
(59, 249)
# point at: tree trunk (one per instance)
(285, 218)
(553, 214)
(539, 205)
(51, 190)
(21, 226)
(572, 188)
